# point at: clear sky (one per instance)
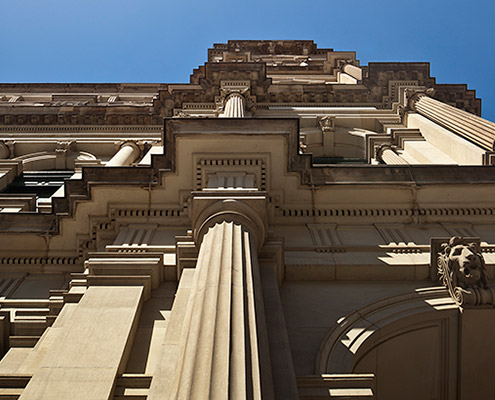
(164, 40)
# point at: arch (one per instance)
(402, 340)
(47, 160)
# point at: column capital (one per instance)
(381, 149)
(413, 94)
(136, 144)
(248, 210)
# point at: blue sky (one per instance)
(162, 41)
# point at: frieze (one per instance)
(39, 260)
(382, 212)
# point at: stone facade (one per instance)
(289, 224)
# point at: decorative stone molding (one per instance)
(461, 269)
(397, 89)
(56, 260)
(85, 129)
(147, 213)
(383, 212)
(395, 140)
(324, 235)
(394, 233)
(125, 269)
(208, 165)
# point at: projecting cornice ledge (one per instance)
(80, 190)
(403, 174)
(199, 128)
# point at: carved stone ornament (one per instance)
(327, 124)
(413, 93)
(461, 268)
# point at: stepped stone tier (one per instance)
(290, 224)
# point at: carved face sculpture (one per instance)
(466, 266)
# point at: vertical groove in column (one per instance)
(467, 125)
(221, 334)
(185, 371)
(264, 376)
(238, 373)
(224, 348)
(234, 106)
(387, 155)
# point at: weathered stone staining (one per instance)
(290, 224)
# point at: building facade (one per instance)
(289, 224)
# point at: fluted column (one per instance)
(234, 106)
(127, 154)
(467, 125)
(224, 351)
(386, 154)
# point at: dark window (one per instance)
(43, 184)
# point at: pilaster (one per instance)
(88, 346)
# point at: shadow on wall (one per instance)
(402, 340)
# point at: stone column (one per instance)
(127, 154)
(466, 125)
(234, 106)
(387, 155)
(223, 353)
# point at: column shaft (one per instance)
(467, 125)
(388, 156)
(126, 155)
(234, 106)
(224, 350)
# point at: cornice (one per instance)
(377, 85)
(81, 129)
(311, 175)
